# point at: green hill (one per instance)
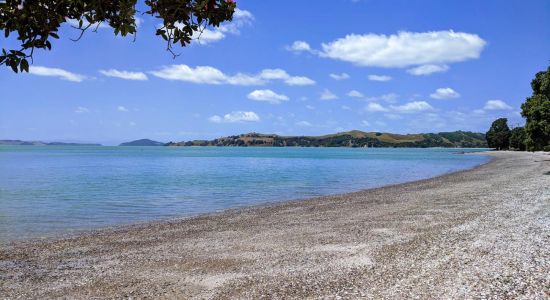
(354, 138)
(143, 142)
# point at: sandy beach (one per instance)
(481, 233)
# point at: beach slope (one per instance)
(482, 233)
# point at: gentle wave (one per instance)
(50, 190)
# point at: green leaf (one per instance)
(13, 65)
(24, 66)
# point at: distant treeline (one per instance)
(39, 143)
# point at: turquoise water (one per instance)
(45, 191)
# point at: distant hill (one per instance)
(39, 143)
(142, 142)
(354, 138)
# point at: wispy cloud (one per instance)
(355, 94)
(497, 105)
(379, 78)
(81, 110)
(375, 107)
(326, 94)
(235, 117)
(415, 106)
(389, 98)
(304, 124)
(122, 108)
(56, 72)
(341, 76)
(211, 75)
(427, 69)
(124, 74)
(409, 107)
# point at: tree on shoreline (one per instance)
(498, 136)
(536, 111)
(35, 23)
(517, 139)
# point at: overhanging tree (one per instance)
(536, 111)
(36, 22)
(498, 136)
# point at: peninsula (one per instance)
(354, 138)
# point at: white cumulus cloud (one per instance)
(211, 75)
(56, 72)
(207, 35)
(405, 49)
(427, 69)
(299, 80)
(299, 46)
(496, 105)
(379, 78)
(375, 107)
(267, 96)
(124, 74)
(122, 108)
(241, 18)
(236, 117)
(415, 106)
(444, 93)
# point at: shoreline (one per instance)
(138, 224)
(471, 233)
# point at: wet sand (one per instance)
(481, 233)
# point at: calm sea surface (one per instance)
(45, 191)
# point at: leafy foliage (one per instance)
(36, 22)
(498, 136)
(536, 110)
(517, 139)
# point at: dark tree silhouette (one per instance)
(36, 22)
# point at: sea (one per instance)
(50, 191)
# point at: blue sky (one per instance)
(288, 67)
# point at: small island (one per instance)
(143, 142)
